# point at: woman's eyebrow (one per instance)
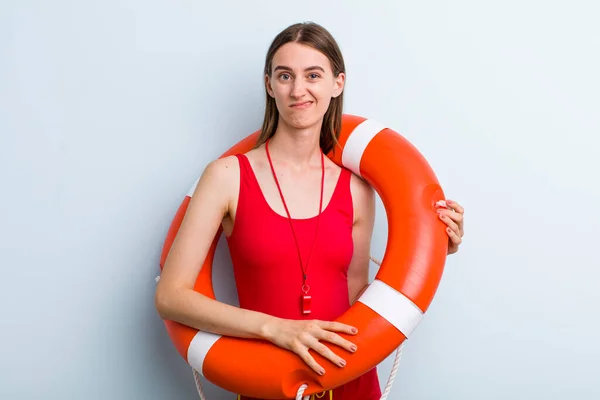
(285, 68)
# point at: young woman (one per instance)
(293, 219)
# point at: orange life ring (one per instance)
(386, 313)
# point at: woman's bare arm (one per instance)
(175, 298)
(363, 199)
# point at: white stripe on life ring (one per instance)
(193, 189)
(393, 306)
(357, 142)
(199, 348)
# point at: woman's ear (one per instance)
(268, 86)
(339, 83)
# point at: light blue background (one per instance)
(110, 110)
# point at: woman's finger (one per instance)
(449, 221)
(334, 326)
(302, 351)
(455, 206)
(454, 237)
(326, 352)
(454, 215)
(336, 339)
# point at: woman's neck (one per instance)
(298, 148)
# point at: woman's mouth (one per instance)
(301, 104)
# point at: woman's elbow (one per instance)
(162, 300)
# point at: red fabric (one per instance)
(267, 270)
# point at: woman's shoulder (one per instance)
(358, 185)
(223, 172)
(222, 167)
(254, 156)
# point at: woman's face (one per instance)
(302, 84)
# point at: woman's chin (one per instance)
(301, 121)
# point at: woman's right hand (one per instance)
(300, 336)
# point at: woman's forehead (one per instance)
(299, 56)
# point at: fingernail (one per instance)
(353, 348)
(342, 363)
(354, 330)
(448, 230)
(322, 372)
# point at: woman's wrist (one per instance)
(266, 327)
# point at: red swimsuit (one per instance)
(267, 270)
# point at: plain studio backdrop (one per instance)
(110, 110)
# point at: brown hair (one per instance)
(320, 39)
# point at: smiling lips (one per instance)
(301, 105)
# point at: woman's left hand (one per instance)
(453, 217)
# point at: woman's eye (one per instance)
(284, 77)
(314, 76)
